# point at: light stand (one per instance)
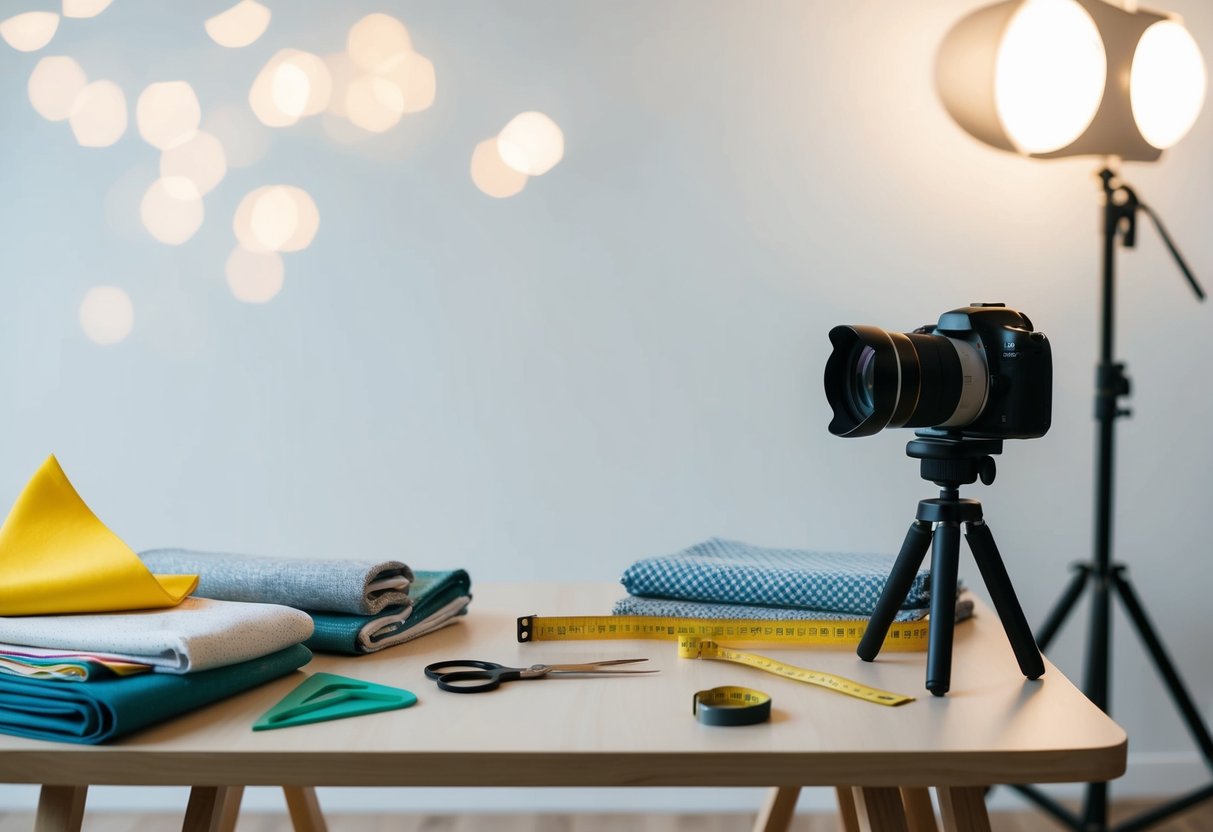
(1101, 575)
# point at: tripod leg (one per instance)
(945, 560)
(913, 550)
(998, 582)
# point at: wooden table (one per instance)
(994, 727)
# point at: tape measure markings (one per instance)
(690, 647)
(903, 635)
(731, 705)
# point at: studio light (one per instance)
(1059, 78)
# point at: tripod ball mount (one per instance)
(951, 462)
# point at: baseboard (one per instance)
(1150, 774)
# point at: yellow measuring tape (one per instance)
(903, 635)
(690, 647)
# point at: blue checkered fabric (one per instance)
(730, 572)
(668, 608)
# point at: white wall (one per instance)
(625, 358)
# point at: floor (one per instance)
(1199, 819)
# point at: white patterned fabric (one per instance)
(669, 608)
(731, 572)
(198, 634)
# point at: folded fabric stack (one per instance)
(729, 579)
(92, 677)
(356, 606)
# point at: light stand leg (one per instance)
(913, 550)
(945, 561)
(1061, 611)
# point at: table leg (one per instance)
(846, 809)
(880, 809)
(776, 815)
(60, 809)
(211, 807)
(919, 811)
(963, 809)
(305, 811)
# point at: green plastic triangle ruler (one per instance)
(325, 696)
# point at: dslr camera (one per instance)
(981, 372)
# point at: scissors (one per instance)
(461, 676)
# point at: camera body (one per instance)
(1019, 368)
(982, 372)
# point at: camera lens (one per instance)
(876, 379)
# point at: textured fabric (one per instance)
(57, 557)
(437, 598)
(94, 712)
(198, 634)
(669, 608)
(737, 573)
(358, 587)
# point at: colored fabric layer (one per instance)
(358, 587)
(730, 572)
(199, 634)
(437, 599)
(102, 710)
(669, 608)
(57, 557)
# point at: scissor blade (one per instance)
(596, 667)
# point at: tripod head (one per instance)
(952, 462)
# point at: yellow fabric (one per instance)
(57, 557)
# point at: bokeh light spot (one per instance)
(373, 103)
(171, 210)
(492, 175)
(307, 220)
(254, 277)
(276, 218)
(531, 143)
(376, 41)
(240, 25)
(168, 113)
(29, 32)
(54, 85)
(84, 8)
(414, 75)
(200, 159)
(98, 117)
(106, 315)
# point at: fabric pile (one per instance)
(355, 606)
(728, 579)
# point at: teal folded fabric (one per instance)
(438, 597)
(95, 712)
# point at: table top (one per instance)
(993, 727)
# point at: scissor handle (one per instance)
(489, 674)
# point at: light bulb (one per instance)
(1166, 83)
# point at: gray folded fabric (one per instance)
(358, 587)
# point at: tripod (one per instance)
(949, 463)
(1103, 577)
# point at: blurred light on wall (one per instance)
(200, 159)
(168, 113)
(342, 72)
(254, 277)
(1166, 83)
(376, 41)
(414, 75)
(29, 32)
(492, 175)
(84, 8)
(531, 143)
(276, 218)
(245, 140)
(373, 103)
(291, 85)
(106, 314)
(54, 85)
(240, 25)
(98, 117)
(171, 210)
